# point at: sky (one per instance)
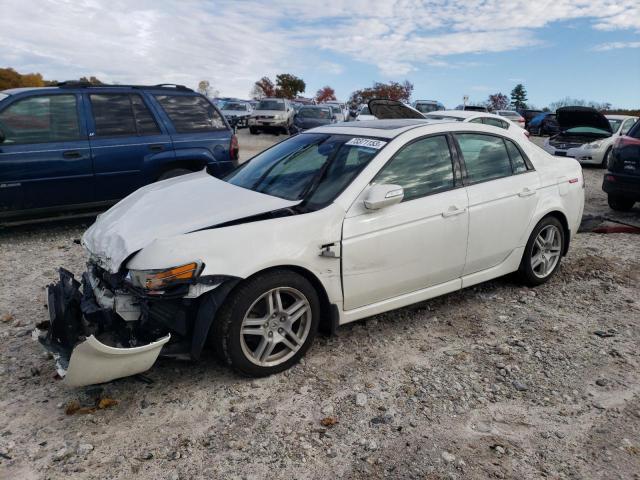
(582, 49)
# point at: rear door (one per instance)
(45, 159)
(198, 130)
(124, 138)
(503, 194)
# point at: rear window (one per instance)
(191, 113)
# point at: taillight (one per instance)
(625, 141)
(234, 148)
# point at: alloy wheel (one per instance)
(275, 326)
(547, 249)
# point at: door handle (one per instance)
(452, 211)
(526, 192)
(156, 148)
(71, 154)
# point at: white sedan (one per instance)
(332, 225)
(472, 116)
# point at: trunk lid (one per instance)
(384, 109)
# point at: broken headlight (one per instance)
(164, 278)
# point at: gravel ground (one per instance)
(496, 381)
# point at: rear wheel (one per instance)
(267, 324)
(620, 204)
(543, 252)
(174, 172)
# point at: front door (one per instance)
(503, 194)
(44, 159)
(418, 243)
(124, 135)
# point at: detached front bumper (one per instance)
(76, 318)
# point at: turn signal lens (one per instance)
(161, 279)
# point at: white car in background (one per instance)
(512, 115)
(587, 135)
(471, 116)
(364, 114)
(335, 224)
(342, 112)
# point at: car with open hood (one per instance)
(586, 134)
(335, 224)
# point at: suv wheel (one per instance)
(620, 203)
(267, 324)
(253, 130)
(174, 172)
(543, 252)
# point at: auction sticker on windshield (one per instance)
(366, 142)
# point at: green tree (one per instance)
(289, 86)
(519, 96)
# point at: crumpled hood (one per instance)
(168, 208)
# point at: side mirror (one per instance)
(383, 195)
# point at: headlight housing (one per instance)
(594, 145)
(153, 280)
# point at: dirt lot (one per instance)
(497, 381)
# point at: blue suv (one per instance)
(77, 146)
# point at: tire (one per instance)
(605, 159)
(542, 254)
(620, 204)
(253, 130)
(270, 346)
(174, 172)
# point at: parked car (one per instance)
(272, 115)
(586, 134)
(364, 114)
(237, 113)
(78, 146)
(512, 115)
(477, 117)
(528, 115)
(330, 226)
(341, 111)
(313, 116)
(544, 124)
(427, 106)
(622, 181)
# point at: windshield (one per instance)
(365, 111)
(234, 106)
(314, 113)
(311, 166)
(426, 107)
(615, 124)
(270, 105)
(444, 117)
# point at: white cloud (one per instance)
(233, 43)
(603, 47)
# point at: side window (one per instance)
(191, 113)
(145, 123)
(496, 122)
(476, 120)
(485, 156)
(517, 160)
(627, 126)
(45, 118)
(112, 114)
(421, 168)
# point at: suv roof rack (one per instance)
(84, 84)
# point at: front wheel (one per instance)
(542, 253)
(267, 324)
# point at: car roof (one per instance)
(375, 128)
(457, 113)
(618, 117)
(66, 86)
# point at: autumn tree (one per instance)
(497, 101)
(519, 96)
(325, 94)
(289, 86)
(392, 90)
(9, 78)
(263, 88)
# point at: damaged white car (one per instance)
(333, 225)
